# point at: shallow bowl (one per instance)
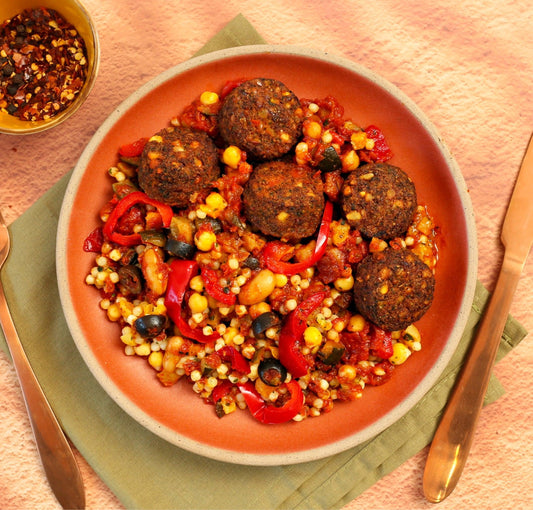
(177, 414)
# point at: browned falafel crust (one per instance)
(261, 116)
(176, 163)
(284, 200)
(393, 288)
(379, 200)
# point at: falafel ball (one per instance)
(379, 200)
(261, 116)
(393, 288)
(284, 200)
(176, 163)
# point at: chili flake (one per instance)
(43, 64)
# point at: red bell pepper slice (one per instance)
(229, 86)
(137, 197)
(381, 150)
(271, 414)
(291, 335)
(272, 253)
(237, 361)
(221, 390)
(94, 241)
(181, 272)
(134, 149)
(214, 289)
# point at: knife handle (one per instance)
(57, 457)
(453, 438)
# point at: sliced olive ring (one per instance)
(272, 372)
(264, 321)
(149, 326)
(130, 280)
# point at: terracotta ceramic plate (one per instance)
(177, 414)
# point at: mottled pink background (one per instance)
(468, 64)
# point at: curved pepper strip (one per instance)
(181, 272)
(122, 207)
(271, 414)
(237, 361)
(213, 288)
(221, 390)
(134, 149)
(291, 335)
(272, 253)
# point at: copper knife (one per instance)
(453, 438)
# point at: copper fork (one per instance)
(57, 458)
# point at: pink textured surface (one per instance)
(468, 65)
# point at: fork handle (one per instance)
(453, 439)
(57, 457)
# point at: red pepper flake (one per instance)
(43, 64)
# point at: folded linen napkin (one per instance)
(145, 471)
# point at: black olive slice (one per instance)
(149, 326)
(130, 280)
(264, 321)
(272, 372)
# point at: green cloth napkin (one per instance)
(146, 472)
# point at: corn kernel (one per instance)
(196, 375)
(344, 284)
(327, 137)
(232, 156)
(302, 153)
(281, 280)
(143, 349)
(155, 359)
(282, 216)
(215, 202)
(259, 308)
(411, 333)
(356, 323)
(400, 353)
(127, 336)
(353, 216)
(205, 240)
(229, 335)
(312, 336)
(291, 305)
(208, 98)
(348, 372)
(113, 312)
(358, 140)
(115, 255)
(197, 303)
(376, 245)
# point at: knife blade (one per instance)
(453, 438)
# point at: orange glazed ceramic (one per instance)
(177, 414)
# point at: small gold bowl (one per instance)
(77, 15)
